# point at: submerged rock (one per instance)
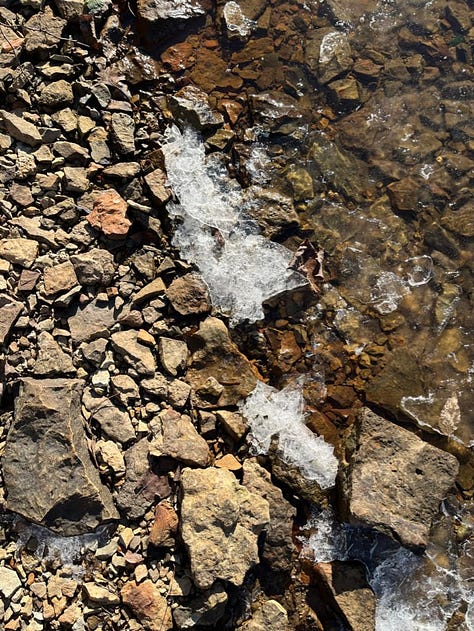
(395, 481)
(192, 105)
(46, 444)
(328, 54)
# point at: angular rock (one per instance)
(114, 422)
(173, 354)
(56, 94)
(269, 615)
(150, 291)
(76, 180)
(92, 321)
(192, 105)
(180, 440)
(101, 595)
(59, 278)
(135, 354)
(219, 374)
(126, 389)
(204, 610)
(21, 129)
(109, 215)
(46, 443)
(94, 267)
(461, 221)
(327, 54)
(189, 295)
(109, 456)
(220, 525)
(43, 32)
(165, 526)
(395, 481)
(9, 311)
(9, 582)
(70, 9)
(19, 251)
(154, 10)
(156, 182)
(147, 605)
(51, 359)
(122, 130)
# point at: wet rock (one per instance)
(147, 605)
(192, 105)
(92, 321)
(21, 129)
(56, 94)
(154, 10)
(114, 422)
(278, 549)
(327, 54)
(404, 194)
(350, 10)
(122, 130)
(345, 586)
(268, 615)
(46, 433)
(173, 354)
(301, 183)
(135, 354)
(95, 267)
(395, 481)
(21, 252)
(43, 32)
(156, 182)
(274, 212)
(460, 221)
(204, 610)
(165, 526)
(220, 524)
(9, 311)
(59, 278)
(189, 295)
(179, 439)
(109, 215)
(9, 582)
(51, 359)
(345, 90)
(217, 359)
(459, 16)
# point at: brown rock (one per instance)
(147, 605)
(109, 215)
(19, 251)
(9, 311)
(156, 182)
(229, 462)
(189, 295)
(180, 440)
(59, 278)
(43, 31)
(404, 194)
(150, 291)
(135, 354)
(165, 526)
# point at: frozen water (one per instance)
(241, 268)
(388, 292)
(420, 270)
(271, 412)
(236, 21)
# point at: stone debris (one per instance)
(108, 215)
(147, 605)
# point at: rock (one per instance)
(220, 525)
(395, 481)
(95, 267)
(9, 582)
(76, 180)
(156, 182)
(269, 615)
(21, 252)
(175, 392)
(109, 215)
(43, 32)
(274, 212)
(165, 526)
(70, 9)
(94, 352)
(110, 457)
(9, 311)
(350, 11)
(192, 105)
(115, 423)
(126, 389)
(204, 610)
(179, 439)
(327, 54)
(404, 194)
(122, 129)
(278, 548)
(71, 152)
(21, 195)
(100, 595)
(233, 423)
(150, 291)
(123, 170)
(46, 433)
(218, 358)
(345, 90)
(189, 295)
(228, 462)
(92, 321)
(147, 605)
(345, 587)
(56, 94)
(135, 354)
(460, 221)
(59, 278)
(21, 129)
(173, 354)
(51, 359)
(154, 10)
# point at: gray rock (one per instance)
(56, 94)
(220, 524)
(154, 10)
(114, 422)
(59, 278)
(51, 359)
(70, 9)
(94, 352)
(75, 180)
(135, 354)
(92, 321)
(206, 609)
(173, 354)
(9, 311)
(21, 129)
(71, 152)
(94, 267)
(395, 481)
(46, 443)
(156, 182)
(122, 130)
(126, 389)
(192, 105)
(43, 32)
(173, 391)
(179, 439)
(9, 582)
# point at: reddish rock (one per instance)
(165, 526)
(147, 605)
(178, 57)
(109, 215)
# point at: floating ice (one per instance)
(388, 292)
(271, 412)
(241, 268)
(236, 21)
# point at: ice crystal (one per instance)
(271, 412)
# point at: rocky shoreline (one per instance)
(172, 452)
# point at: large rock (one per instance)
(21, 129)
(19, 251)
(221, 522)
(395, 481)
(219, 374)
(48, 473)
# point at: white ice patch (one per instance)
(241, 268)
(236, 21)
(271, 412)
(388, 292)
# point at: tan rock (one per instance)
(147, 605)
(99, 594)
(9, 312)
(109, 215)
(165, 526)
(21, 129)
(51, 359)
(189, 295)
(150, 291)
(180, 439)
(59, 278)
(229, 462)
(268, 615)
(156, 182)
(135, 354)
(173, 354)
(19, 251)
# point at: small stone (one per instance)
(59, 278)
(327, 54)
(9, 311)
(229, 462)
(126, 389)
(56, 94)
(135, 354)
(108, 453)
(95, 267)
(21, 252)
(21, 129)
(115, 423)
(9, 582)
(71, 152)
(180, 440)
(192, 105)
(70, 9)
(150, 291)
(92, 321)
(147, 605)
(123, 170)
(109, 215)
(101, 595)
(165, 526)
(21, 195)
(189, 295)
(51, 359)
(154, 10)
(173, 354)
(156, 182)
(122, 130)
(75, 180)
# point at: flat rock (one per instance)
(59, 278)
(135, 354)
(154, 10)
(395, 481)
(101, 595)
(109, 215)
(9, 311)
(51, 359)
(205, 610)
(114, 422)
(219, 374)
(179, 439)
(147, 605)
(21, 129)
(122, 130)
(43, 32)
(46, 443)
(9, 582)
(189, 295)
(173, 354)
(220, 524)
(92, 321)
(149, 291)
(165, 526)
(19, 251)
(95, 267)
(156, 182)
(192, 105)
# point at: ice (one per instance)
(241, 268)
(236, 21)
(271, 412)
(420, 270)
(388, 292)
